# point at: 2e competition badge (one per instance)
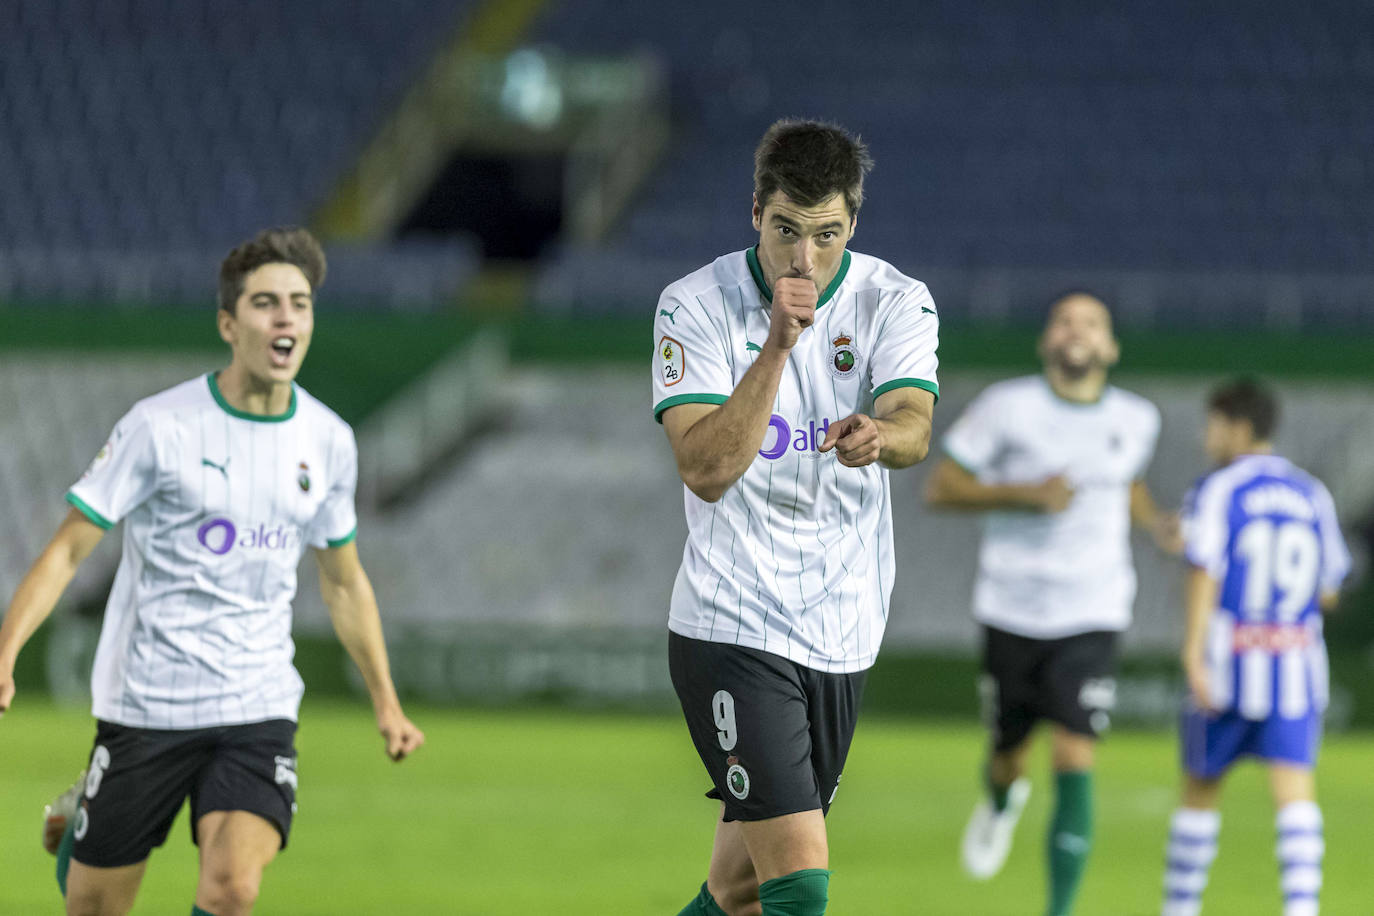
(672, 361)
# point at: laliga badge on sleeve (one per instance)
(672, 361)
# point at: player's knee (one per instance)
(226, 891)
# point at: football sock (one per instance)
(801, 893)
(64, 854)
(703, 905)
(1070, 837)
(1192, 847)
(998, 794)
(1300, 857)
(197, 911)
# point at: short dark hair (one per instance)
(1247, 399)
(279, 245)
(811, 161)
(1074, 292)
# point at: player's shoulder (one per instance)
(726, 271)
(1020, 389)
(194, 393)
(1128, 402)
(320, 415)
(869, 272)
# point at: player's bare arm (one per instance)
(1199, 602)
(714, 445)
(897, 435)
(951, 486)
(40, 590)
(353, 611)
(1163, 527)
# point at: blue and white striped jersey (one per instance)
(796, 558)
(1266, 531)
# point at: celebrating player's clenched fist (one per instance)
(794, 309)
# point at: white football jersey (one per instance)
(1048, 575)
(218, 506)
(796, 558)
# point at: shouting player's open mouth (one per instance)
(282, 347)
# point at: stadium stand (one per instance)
(1199, 148)
(140, 138)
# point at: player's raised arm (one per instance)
(347, 592)
(714, 445)
(40, 590)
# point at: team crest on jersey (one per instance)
(844, 356)
(672, 361)
(303, 479)
(736, 779)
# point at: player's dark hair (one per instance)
(1247, 399)
(811, 161)
(279, 245)
(1071, 293)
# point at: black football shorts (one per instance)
(138, 778)
(1071, 681)
(772, 734)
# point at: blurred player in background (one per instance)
(1056, 462)
(788, 378)
(223, 480)
(1266, 557)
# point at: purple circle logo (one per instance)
(222, 542)
(781, 441)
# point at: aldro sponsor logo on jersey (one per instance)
(782, 437)
(220, 535)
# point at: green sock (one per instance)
(64, 854)
(197, 911)
(703, 905)
(998, 794)
(802, 893)
(1070, 837)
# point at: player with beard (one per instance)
(1054, 462)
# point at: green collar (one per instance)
(255, 417)
(752, 256)
(1070, 402)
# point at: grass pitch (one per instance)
(539, 812)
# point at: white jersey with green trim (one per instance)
(218, 507)
(796, 557)
(1051, 575)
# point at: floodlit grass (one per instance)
(550, 812)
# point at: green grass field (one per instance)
(550, 812)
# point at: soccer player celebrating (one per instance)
(788, 378)
(1055, 461)
(1266, 557)
(223, 481)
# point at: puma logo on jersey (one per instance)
(222, 468)
(669, 315)
(750, 345)
(928, 311)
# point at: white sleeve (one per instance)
(904, 353)
(975, 439)
(336, 522)
(1335, 554)
(690, 365)
(1205, 533)
(123, 474)
(1151, 438)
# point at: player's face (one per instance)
(272, 323)
(1224, 439)
(1078, 337)
(797, 241)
